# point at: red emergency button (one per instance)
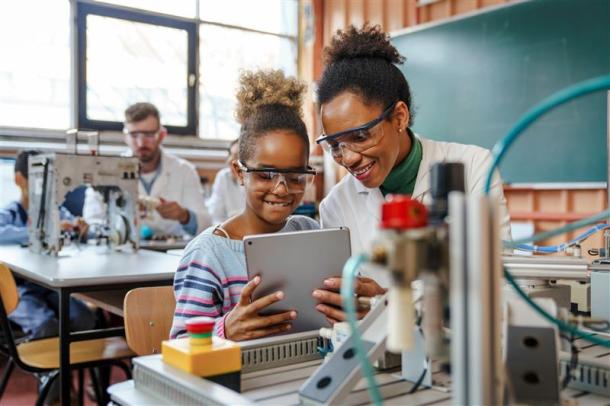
(401, 212)
(199, 325)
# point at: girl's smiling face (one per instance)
(279, 149)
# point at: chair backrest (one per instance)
(9, 299)
(8, 289)
(148, 318)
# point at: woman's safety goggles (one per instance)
(268, 179)
(356, 139)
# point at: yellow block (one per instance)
(222, 357)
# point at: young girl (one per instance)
(366, 113)
(211, 279)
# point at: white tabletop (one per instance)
(89, 266)
(179, 252)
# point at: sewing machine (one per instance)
(53, 175)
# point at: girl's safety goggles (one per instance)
(294, 180)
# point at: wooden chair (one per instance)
(148, 318)
(42, 356)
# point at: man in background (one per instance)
(228, 197)
(172, 182)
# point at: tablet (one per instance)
(297, 263)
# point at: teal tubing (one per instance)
(350, 270)
(498, 152)
(554, 248)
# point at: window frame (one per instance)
(84, 9)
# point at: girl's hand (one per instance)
(244, 322)
(329, 299)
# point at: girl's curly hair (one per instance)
(267, 100)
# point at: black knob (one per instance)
(445, 177)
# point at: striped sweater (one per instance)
(211, 275)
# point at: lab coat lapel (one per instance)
(374, 200)
(163, 180)
(368, 201)
(422, 182)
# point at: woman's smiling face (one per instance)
(372, 166)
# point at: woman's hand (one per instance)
(244, 322)
(329, 298)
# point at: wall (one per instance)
(545, 208)
(393, 14)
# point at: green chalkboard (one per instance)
(473, 77)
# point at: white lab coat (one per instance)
(228, 197)
(357, 207)
(178, 181)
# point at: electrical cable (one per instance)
(498, 152)
(347, 294)
(551, 249)
(419, 382)
(573, 361)
(42, 210)
(601, 216)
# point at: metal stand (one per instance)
(334, 380)
(475, 265)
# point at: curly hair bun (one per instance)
(366, 42)
(268, 87)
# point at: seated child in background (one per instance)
(212, 279)
(228, 196)
(38, 307)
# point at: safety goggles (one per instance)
(294, 180)
(356, 139)
(145, 135)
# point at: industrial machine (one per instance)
(447, 310)
(53, 175)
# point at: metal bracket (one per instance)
(334, 380)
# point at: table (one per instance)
(109, 300)
(177, 252)
(87, 269)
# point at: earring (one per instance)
(400, 130)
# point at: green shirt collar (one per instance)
(401, 179)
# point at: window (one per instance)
(126, 57)
(185, 56)
(275, 17)
(224, 52)
(35, 67)
(181, 8)
(258, 37)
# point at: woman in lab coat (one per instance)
(366, 114)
